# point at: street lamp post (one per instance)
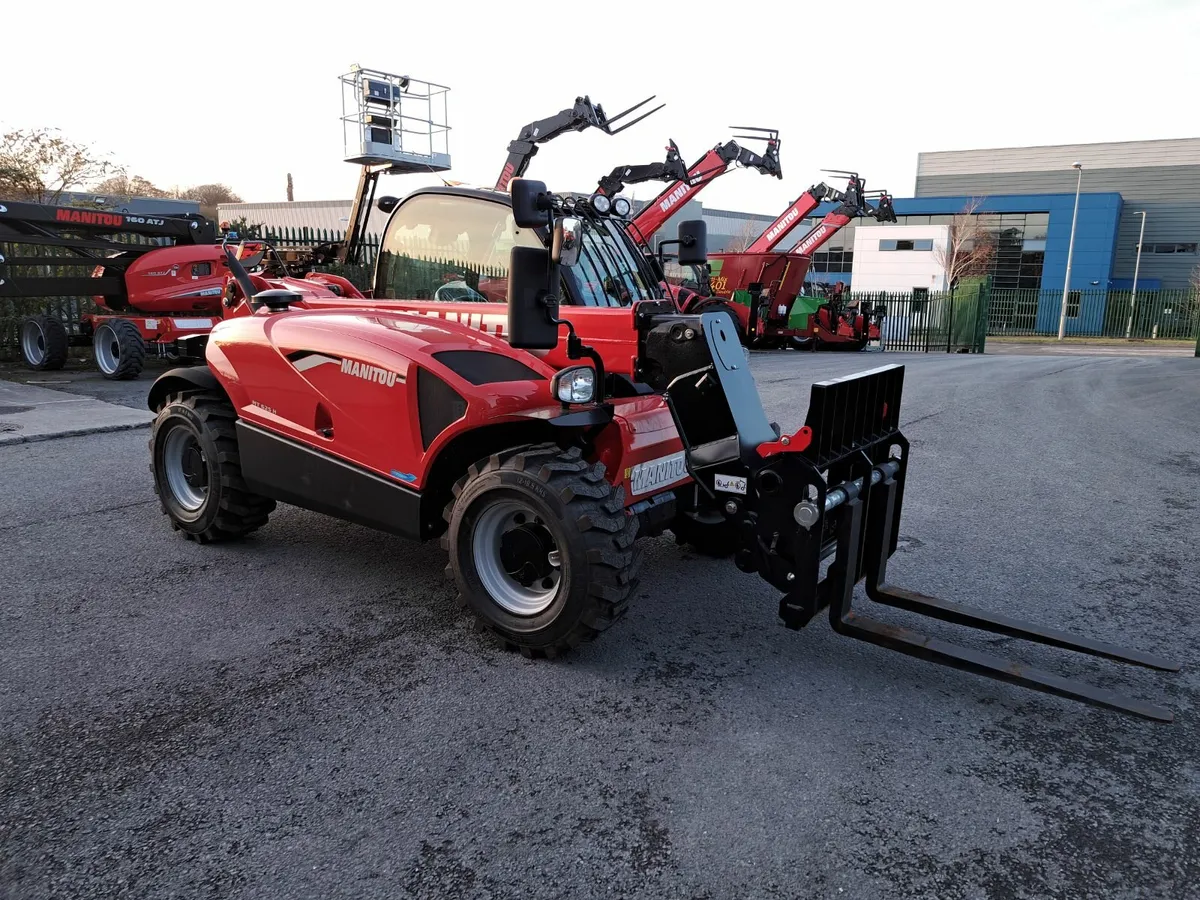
(1062, 316)
(1136, 266)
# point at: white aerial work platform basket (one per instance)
(394, 120)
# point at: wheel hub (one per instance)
(525, 552)
(516, 557)
(186, 469)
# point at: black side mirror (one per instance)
(532, 308)
(386, 204)
(530, 203)
(693, 242)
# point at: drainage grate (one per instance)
(12, 410)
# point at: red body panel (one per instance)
(354, 372)
(608, 330)
(159, 329)
(642, 430)
(181, 279)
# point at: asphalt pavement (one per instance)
(307, 714)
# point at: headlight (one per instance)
(601, 204)
(621, 207)
(574, 385)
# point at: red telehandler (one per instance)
(539, 447)
(157, 296)
(766, 285)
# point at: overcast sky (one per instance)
(242, 94)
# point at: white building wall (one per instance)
(897, 270)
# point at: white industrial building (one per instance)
(899, 258)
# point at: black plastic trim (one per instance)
(483, 367)
(438, 406)
(291, 472)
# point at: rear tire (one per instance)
(197, 471)
(713, 538)
(44, 343)
(541, 549)
(119, 349)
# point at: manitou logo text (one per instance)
(674, 197)
(808, 242)
(791, 216)
(83, 217)
(369, 373)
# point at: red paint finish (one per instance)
(642, 430)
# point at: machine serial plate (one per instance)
(657, 473)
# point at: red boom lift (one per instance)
(158, 295)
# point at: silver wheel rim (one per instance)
(186, 469)
(108, 350)
(33, 342)
(500, 528)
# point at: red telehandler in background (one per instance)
(765, 286)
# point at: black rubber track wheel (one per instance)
(197, 472)
(717, 538)
(557, 506)
(119, 348)
(44, 342)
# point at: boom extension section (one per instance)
(86, 234)
(584, 114)
(703, 172)
(854, 205)
(672, 168)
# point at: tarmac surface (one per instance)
(307, 714)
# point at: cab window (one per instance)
(450, 249)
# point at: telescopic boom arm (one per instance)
(704, 171)
(584, 114)
(854, 204)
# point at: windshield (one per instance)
(609, 272)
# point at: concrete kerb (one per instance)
(29, 414)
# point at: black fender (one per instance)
(183, 378)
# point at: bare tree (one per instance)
(126, 188)
(209, 196)
(745, 237)
(39, 165)
(969, 246)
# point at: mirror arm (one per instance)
(577, 349)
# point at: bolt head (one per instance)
(791, 576)
(689, 333)
(731, 507)
(785, 441)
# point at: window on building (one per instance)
(1169, 248)
(900, 244)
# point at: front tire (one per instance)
(197, 471)
(44, 343)
(119, 348)
(541, 549)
